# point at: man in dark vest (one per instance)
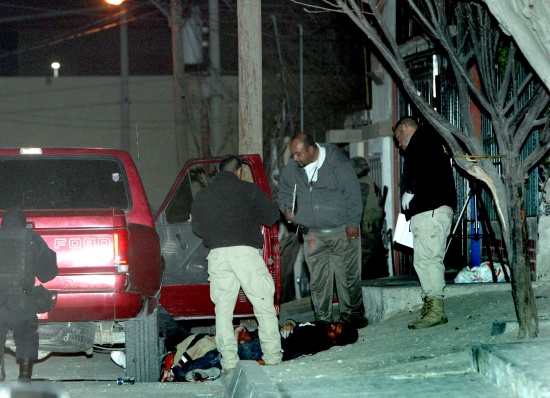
(23, 256)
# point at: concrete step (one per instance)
(386, 297)
(251, 381)
(521, 368)
(471, 386)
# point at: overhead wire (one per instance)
(106, 23)
(44, 15)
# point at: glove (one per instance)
(406, 199)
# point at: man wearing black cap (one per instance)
(23, 256)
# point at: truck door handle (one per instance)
(183, 245)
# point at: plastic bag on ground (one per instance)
(482, 273)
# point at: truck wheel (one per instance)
(142, 348)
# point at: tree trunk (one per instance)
(522, 288)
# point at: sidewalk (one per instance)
(476, 354)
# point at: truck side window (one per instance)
(179, 208)
(195, 179)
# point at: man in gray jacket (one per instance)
(320, 193)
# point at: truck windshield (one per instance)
(68, 183)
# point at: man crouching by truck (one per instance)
(23, 256)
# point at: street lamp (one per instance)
(55, 67)
(124, 76)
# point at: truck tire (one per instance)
(142, 348)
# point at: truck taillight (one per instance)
(121, 250)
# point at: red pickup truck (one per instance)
(90, 206)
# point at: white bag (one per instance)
(403, 234)
(465, 275)
(481, 273)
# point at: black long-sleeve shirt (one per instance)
(230, 212)
(427, 173)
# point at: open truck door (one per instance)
(185, 290)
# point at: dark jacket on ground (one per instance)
(427, 173)
(331, 201)
(306, 339)
(230, 212)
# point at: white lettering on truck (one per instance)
(78, 243)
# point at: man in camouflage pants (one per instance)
(373, 258)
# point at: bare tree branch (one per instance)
(503, 92)
(311, 8)
(532, 110)
(534, 158)
(520, 90)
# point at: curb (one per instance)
(249, 380)
(517, 368)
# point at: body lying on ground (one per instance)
(297, 339)
(199, 351)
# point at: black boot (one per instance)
(2, 371)
(25, 369)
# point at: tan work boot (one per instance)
(431, 314)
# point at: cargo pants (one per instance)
(430, 231)
(231, 268)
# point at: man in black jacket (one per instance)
(228, 215)
(23, 256)
(428, 200)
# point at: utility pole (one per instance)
(124, 76)
(124, 85)
(250, 76)
(182, 139)
(215, 99)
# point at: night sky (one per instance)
(83, 35)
